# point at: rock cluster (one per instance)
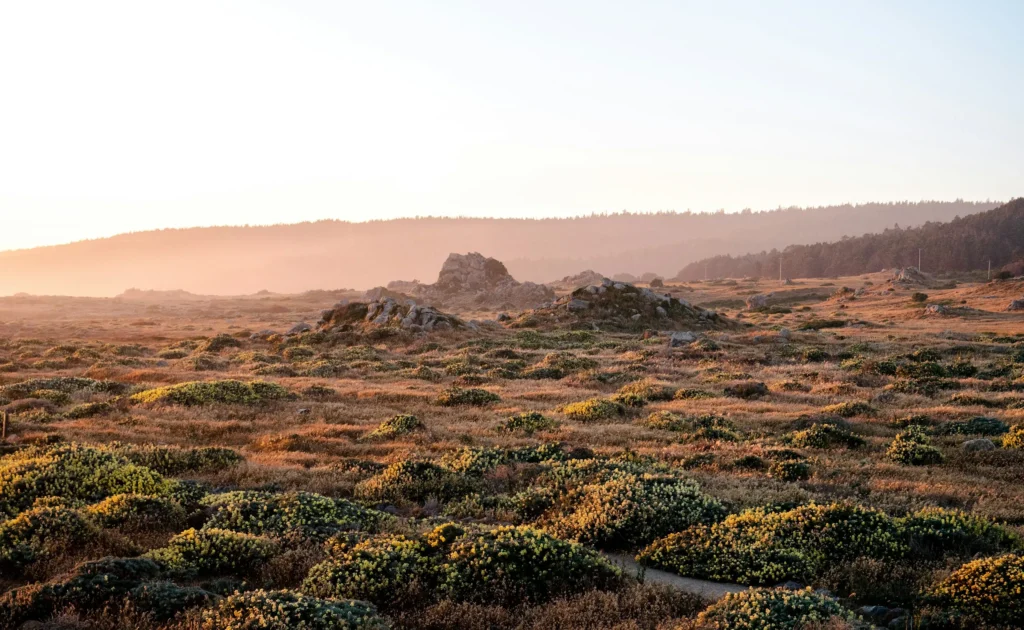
(472, 281)
(614, 305)
(582, 279)
(387, 312)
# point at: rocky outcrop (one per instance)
(582, 279)
(387, 313)
(786, 297)
(472, 281)
(620, 306)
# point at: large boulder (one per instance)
(582, 279)
(387, 313)
(1016, 305)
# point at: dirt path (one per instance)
(710, 590)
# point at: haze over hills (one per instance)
(334, 254)
(963, 244)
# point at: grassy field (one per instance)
(847, 439)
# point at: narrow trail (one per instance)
(710, 590)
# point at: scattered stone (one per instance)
(681, 338)
(935, 309)
(1016, 305)
(388, 313)
(303, 412)
(790, 585)
(582, 279)
(299, 328)
(503, 317)
(576, 304)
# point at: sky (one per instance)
(120, 116)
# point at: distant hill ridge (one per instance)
(329, 254)
(963, 244)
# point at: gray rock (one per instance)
(873, 612)
(1016, 305)
(661, 312)
(935, 309)
(577, 304)
(760, 300)
(978, 445)
(504, 317)
(299, 328)
(785, 333)
(790, 585)
(681, 338)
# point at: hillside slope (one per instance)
(963, 244)
(336, 254)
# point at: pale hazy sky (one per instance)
(119, 116)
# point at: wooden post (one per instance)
(3, 426)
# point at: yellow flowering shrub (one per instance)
(304, 514)
(990, 590)
(196, 393)
(288, 610)
(138, 512)
(212, 552)
(42, 533)
(765, 609)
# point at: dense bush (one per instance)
(988, 590)
(979, 425)
(593, 410)
(1014, 438)
(826, 436)
(455, 396)
(197, 393)
(648, 389)
(747, 390)
(763, 609)
(913, 448)
(511, 564)
(138, 512)
(395, 426)
(173, 460)
(65, 384)
(790, 470)
(73, 472)
(692, 394)
(848, 409)
(628, 511)
(762, 547)
(528, 422)
(287, 610)
(387, 571)
(285, 514)
(936, 532)
(413, 481)
(213, 552)
(88, 410)
(42, 533)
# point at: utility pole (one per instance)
(919, 259)
(780, 267)
(990, 269)
(705, 272)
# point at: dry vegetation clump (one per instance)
(473, 476)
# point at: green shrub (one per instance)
(42, 533)
(386, 571)
(848, 409)
(395, 426)
(789, 470)
(54, 396)
(73, 472)
(88, 410)
(628, 510)
(173, 460)
(763, 547)
(988, 590)
(747, 390)
(979, 425)
(213, 552)
(528, 422)
(284, 514)
(819, 324)
(913, 448)
(648, 390)
(138, 512)
(593, 410)
(509, 565)
(692, 394)
(412, 481)
(814, 355)
(936, 532)
(455, 396)
(65, 384)
(826, 436)
(763, 609)
(286, 610)
(196, 393)
(220, 342)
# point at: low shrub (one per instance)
(648, 389)
(1014, 438)
(629, 511)
(174, 460)
(138, 512)
(763, 547)
(790, 470)
(214, 552)
(413, 481)
(285, 514)
(747, 390)
(508, 565)
(455, 396)
(826, 436)
(979, 425)
(761, 609)
(287, 610)
(528, 422)
(593, 410)
(937, 532)
(395, 426)
(387, 571)
(848, 409)
(197, 393)
(988, 590)
(693, 394)
(42, 533)
(88, 410)
(819, 324)
(913, 448)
